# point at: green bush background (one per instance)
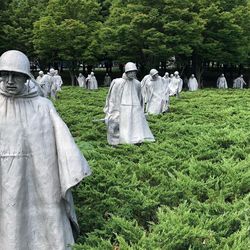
(188, 190)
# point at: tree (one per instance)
(204, 31)
(66, 32)
(133, 32)
(18, 26)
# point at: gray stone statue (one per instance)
(192, 83)
(40, 76)
(125, 118)
(157, 94)
(81, 80)
(58, 81)
(175, 85)
(107, 80)
(91, 81)
(239, 82)
(39, 162)
(222, 82)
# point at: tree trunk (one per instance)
(72, 71)
(72, 76)
(198, 69)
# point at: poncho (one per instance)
(239, 83)
(222, 83)
(156, 96)
(192, 84)
(175, 86)
(81, 81)
(39, 163)
(91, 82)
(125, 118)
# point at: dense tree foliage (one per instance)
(146, 31)
(66, 32)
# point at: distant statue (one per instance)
(175, 85)
(107, 80)
(58, 81)
(53, 86)
(239, 82)
(157, 94)
(46, 83)
(222, 82)
(40, 76)
(125, 119)
(40, 163)
(166, 79)
(91, 81)
(192, 83)
(81, 81)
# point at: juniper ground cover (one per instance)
(188, 190)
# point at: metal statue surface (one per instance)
(39, 164)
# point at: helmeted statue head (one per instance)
(14, 71)
(222, 75)
(130, 70)
(15, 61)
(176, 73)
(40, 73)
(52, 71)
(92, 73)
(154, 73)
(130, 67)
(192, 75)
(166, 74)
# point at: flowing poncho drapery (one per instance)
(81, 81)
(175, 86)
(192, 84)
(156, 96)
(125, 118)
(58, 82)
(166, 81)
(91, 82)
(222, 83)
(46, 82)
(239, 83)
(144, 83)
(39, 163)
(107, 81)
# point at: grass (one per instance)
(188, 190)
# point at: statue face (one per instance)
(13, 82)
(131, 74)
(154, 77)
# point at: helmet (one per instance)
(40, 72)
(153, 72)
(14, 60)
(92, 73)
(166, 74)
(176, 73)
(130, 67)
(52, 71)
